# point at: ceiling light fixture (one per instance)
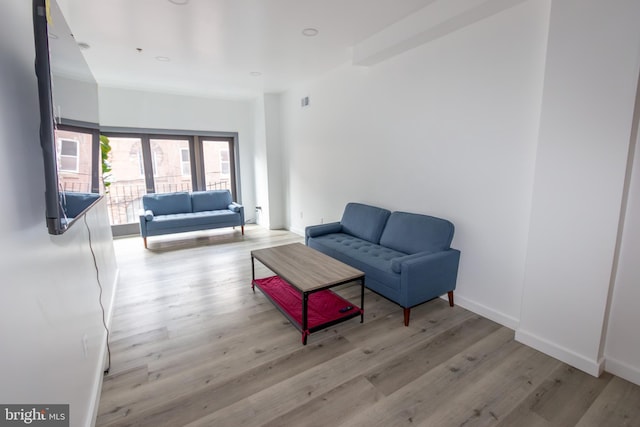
(163, 58)
(255, 74)
(310, 32)
(83, 45)
(53, 36)
(179, 2)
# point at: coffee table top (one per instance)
(305, 268)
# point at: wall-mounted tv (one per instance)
(68, 96)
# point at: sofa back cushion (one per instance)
(167, 203)
(364, 221)
(412, 233)
(212, 200)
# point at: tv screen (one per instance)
(68, 96)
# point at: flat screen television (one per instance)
(68, 95)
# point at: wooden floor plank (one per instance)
(333, 407)
(561, 400)
(193, 345)
(394, 374)
(502, 388)
(617, 406)
(220, 394)
(300, 389)
(418, 399)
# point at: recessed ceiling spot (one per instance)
(255, 73)
(83, 45)
(310, 32)
(163, 58)
(179, 2)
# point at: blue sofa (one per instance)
(182, 211)
(406, 257)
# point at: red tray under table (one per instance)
(323, 306)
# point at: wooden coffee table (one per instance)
(301, 287)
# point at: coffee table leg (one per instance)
(253, 275)
(305, 303)
(362, 301)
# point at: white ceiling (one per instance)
(214, 45)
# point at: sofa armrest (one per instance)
(321, 229)
(396, 263)
(146, 215)
(238, 208)
(428, 276)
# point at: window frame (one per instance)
(183, 161)
(195, 155)
(76, 144)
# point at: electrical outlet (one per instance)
(321, 220)
(301, 215)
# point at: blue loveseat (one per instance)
(406, 257)
(182, 211)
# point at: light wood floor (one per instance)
(191, 344)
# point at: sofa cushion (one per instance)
(374, 260)
(206, 218)
(364, 221)
(167, 203)
(411, 233)
(211, 200)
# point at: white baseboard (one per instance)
(298, 231)
(484, 311)
(590, 366)
(622, 369)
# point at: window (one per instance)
(224, 162)
(170, 162)
(69, 158)
(161, 163)
(124, 198)
(218, 163)
(78, 151)
(186, 162)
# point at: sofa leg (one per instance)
(145, 242)
(242, 227)
(407, 313)
(450, 295)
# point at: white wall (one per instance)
(137, 109)
(590, 84)
(267, 162)
(272, 109)
(48, 292)
(76, 99)
(622, 351)
(447, 129)
(459, 128)
(260, 165)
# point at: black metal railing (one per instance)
(124, 199)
